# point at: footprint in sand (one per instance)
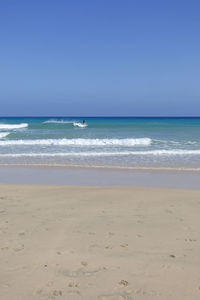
(3, 198)
(19, 248)
(143, 292)
(57, 293)
(4, 248)
(108, 247)
(172, 255)
(21, 233)
(123, 282)
(124, 245)
(190, 240)
(49, 294)
(73, 284)
(139, 235)
(81, 272)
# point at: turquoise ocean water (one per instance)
(119, 142)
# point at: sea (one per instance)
(118, 142)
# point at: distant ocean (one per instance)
(119, 142)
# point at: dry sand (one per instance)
(99, 243)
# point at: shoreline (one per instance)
(89, 176)
(106, 167)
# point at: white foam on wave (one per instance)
(122, 153)
(170, 142)
(164, 152)
(4, 134)
(58, 122)
(80, 142)
(13, 126)
(75, 123)
(81, 125)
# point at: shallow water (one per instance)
(122, 142)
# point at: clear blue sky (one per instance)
(99, 57)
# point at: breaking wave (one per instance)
(13, 126)
(4, 134)
(58, 122)
(75, 123)
(80, 142)
(122, 153)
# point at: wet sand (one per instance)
(62, 242)
(94, 176)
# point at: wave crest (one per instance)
(80, 142)
(75, 123)
(121, 153)
(4, 134)
(13, 126)
(58, 122)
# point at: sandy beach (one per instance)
(99, 150)
(62, 242)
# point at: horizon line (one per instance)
(73, 116)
